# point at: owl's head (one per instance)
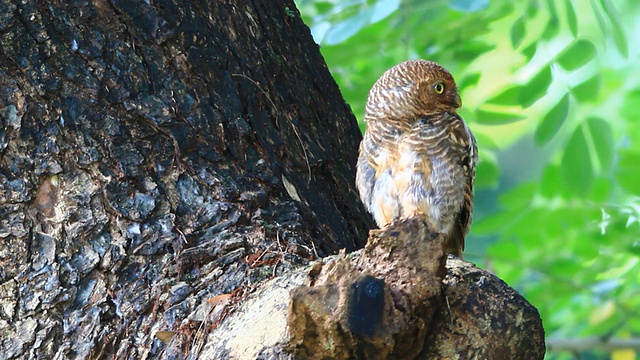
(412, 88)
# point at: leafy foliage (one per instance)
(552, 92)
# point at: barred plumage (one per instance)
(418, 156)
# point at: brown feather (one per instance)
(417, 155)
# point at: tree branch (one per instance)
(593, 343)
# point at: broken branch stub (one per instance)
(398, 298)
(402, 298)
(375, 305)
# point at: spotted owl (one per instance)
(418, 157)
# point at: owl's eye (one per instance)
(439, 88)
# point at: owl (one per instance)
(417, 156)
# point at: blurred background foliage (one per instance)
(551, 90)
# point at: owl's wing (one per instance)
(468, 159)
(365, 173)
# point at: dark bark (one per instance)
(153, 156)
(157, 154)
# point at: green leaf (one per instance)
(519, 197)
(347, 28)
(571, 18)
(469, 5)
(510, 96)
(553, 24)
(497, 118)
(487, 174)
(630, 109)
(517, 32)
(384, 8)
(322, 6)
(576, 55)
(485, 141)
(619, 37)
(530, 50)
(551, 179)
(601, 189)
(601, 22)
(493, 224)
(504, 249)
(532, 8)
(629, 172)
(469, 80)
(536, 87)
(472, 50)
(565, 266)
(552, 122)
(602, 137)
(576, 169)
(587, 90)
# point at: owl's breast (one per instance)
(419, 174)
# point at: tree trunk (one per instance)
(154, 155)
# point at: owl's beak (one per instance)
(458, 101)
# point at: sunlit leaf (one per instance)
(347, 28)
(588, 90)
(620, 269)
(505, 249)
(532, 8)
(576, 55)
(620, 40)
(469, 5)
(628, 171)
(619, 37)
(493, 224)
(322, 6)
(565, 266)
(530, 50)
(598, 13)
(553, 24)
(551, 180)
(623, 354)
(510, 96)
(517, 32)
(630, 109)
(576, 167)
(571, 18)
(601, 189)
(519, 197)
(487, 173)
(602, 313)
(485, 141)
(472, 50)
(602, 137)
(384, 8)
(469, 80)
(497, 118)
(536, 87)
(552, 122)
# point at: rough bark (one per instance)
(399, 298)
(157, 154)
